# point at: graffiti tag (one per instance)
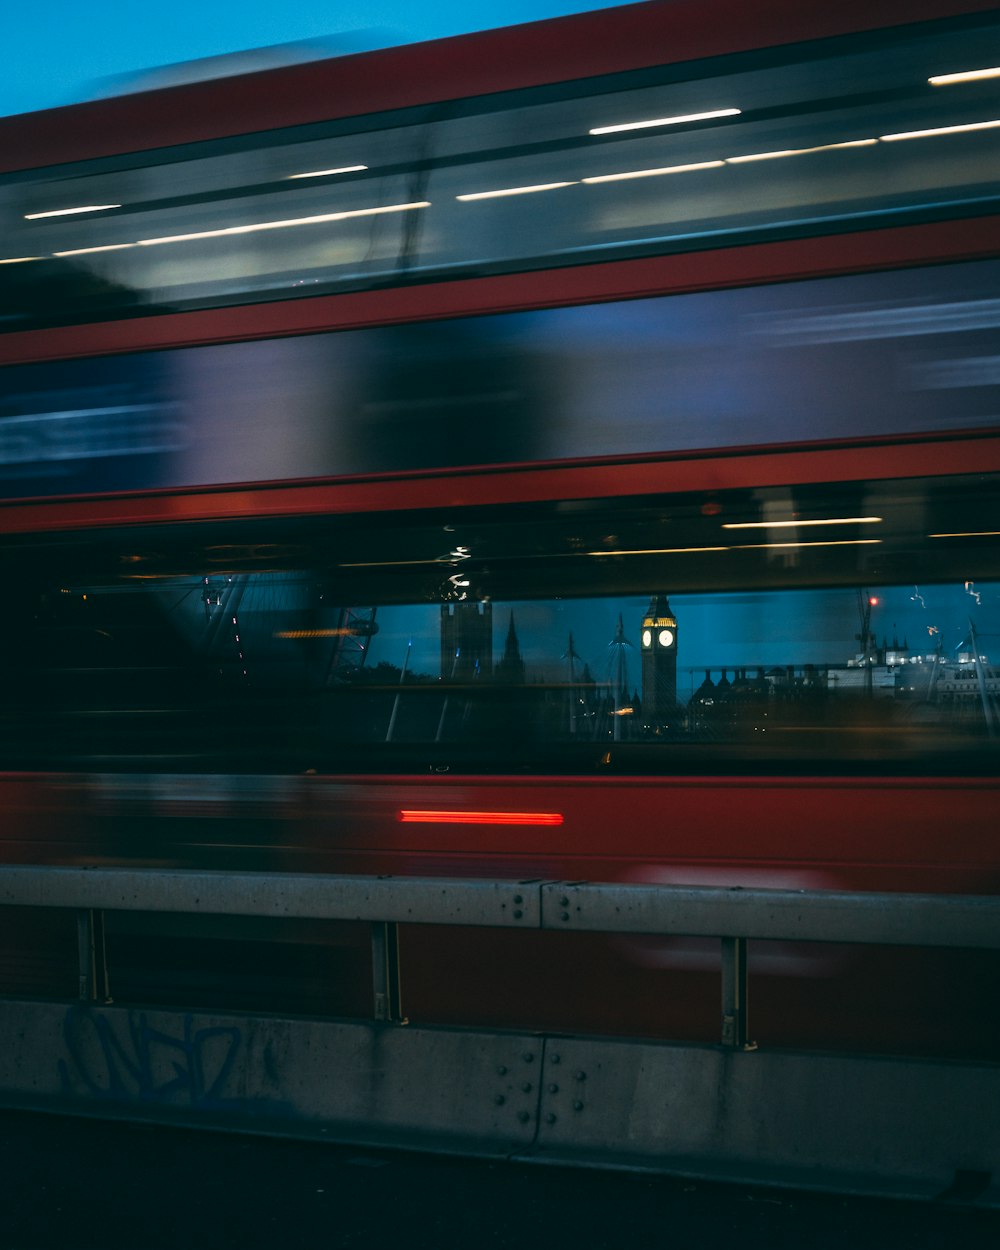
(142, 1063)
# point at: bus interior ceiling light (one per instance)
(672, 551)
(822, 147)
(968, 534)
(84, 251)
(833, 542)
(694, 166)
(664, 121)
(653, 551)
(655, 173)
(968, 75)
(491, 195)
(324, 173)
(279, 225)
(834, 520)
(939, 130)
(69, 212)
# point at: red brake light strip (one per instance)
(480, 818)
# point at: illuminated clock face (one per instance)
(665, 637)
(647, 638)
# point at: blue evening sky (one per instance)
(63, 51)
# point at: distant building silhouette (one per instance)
(658, 647)
(510, 667)
(466, 641)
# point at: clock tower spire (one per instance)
(659, 662)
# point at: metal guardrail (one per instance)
(954, 920)
(305, 896)
(732, 915)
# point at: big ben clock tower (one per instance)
(659, 661)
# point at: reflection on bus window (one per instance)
(796, 653)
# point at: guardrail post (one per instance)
(92, 956)
(734, 993)
(385, 972)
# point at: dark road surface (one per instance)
(76, 1184)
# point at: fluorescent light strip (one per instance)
(968, 75)
(280, 225)
(939, 130)
(313, 633)
(323, 173)
(393, 564)
(664, 121)
(655, 173)
(83, 251)
(823, 147)
(731, 160)
(654, 551)
(18, 260)
(669, 551)
(969, 534)
(767, 525)
(839, 542)
(69, 212)
(492, 195)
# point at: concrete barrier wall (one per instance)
(845, 1122)
(853, 1123)
(831, 1121)
(350, 1081)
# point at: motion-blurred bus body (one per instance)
(567, 452)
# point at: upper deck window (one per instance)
(832, 136)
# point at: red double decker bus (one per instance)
(568, 451)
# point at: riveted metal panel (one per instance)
(889, 1124)
(828, 1121)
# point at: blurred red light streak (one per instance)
(480, 818)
